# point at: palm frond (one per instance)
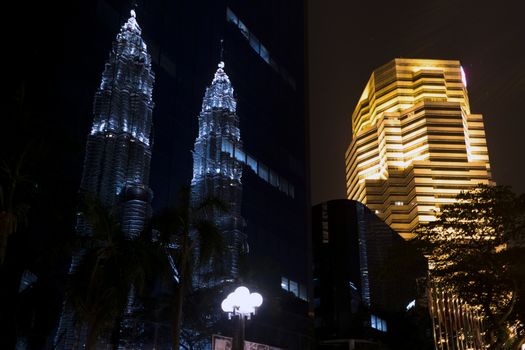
(208, 205)
(104, 222)
(210, 240)
(111, 266)
(169, 224)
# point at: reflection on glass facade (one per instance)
(259, 168)
(378, 323)
(259, 48)
(217, 174)
(297, 289)
(354, 286)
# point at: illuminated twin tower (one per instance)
(118, 154)
(217, 174)
(415, 143)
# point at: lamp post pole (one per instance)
(238, 339)
(241, 303)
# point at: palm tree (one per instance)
(194, 241)
(15, 190)
(111, 266)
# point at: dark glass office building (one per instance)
(262, 46)
(365, 278)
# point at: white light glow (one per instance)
(256, 299)
(241, 302)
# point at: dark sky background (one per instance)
(349, 39)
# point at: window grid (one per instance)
(259, 168)
(378, 323)
(298, 289)
(259, 48)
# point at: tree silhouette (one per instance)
(16, 189)
(194, 241)
(476, 249)
(111, 266)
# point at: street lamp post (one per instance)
(241, 303)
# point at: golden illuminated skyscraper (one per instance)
(415, 143)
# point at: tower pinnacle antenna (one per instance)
(222, 50)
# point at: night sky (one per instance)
(349, 39)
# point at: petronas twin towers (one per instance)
(118, 155)
(118, 151)
(215, 172)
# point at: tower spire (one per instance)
(222, 50)
(132, 25)
(220, 93)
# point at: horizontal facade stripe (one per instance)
(415, 144)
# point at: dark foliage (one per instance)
(476, 250)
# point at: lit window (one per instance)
(254, 43)
(259, 48)
(274, 179)
(303, 293)
(398, 203)
(227, 146)
(263, 172)
(299, 290)
(240, 155)
(294, 288)
(243, 29)
(378, 323)
(231, 17)
(284, 283)
(252, 163)
(264, 54)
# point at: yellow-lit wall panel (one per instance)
(415, 144)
